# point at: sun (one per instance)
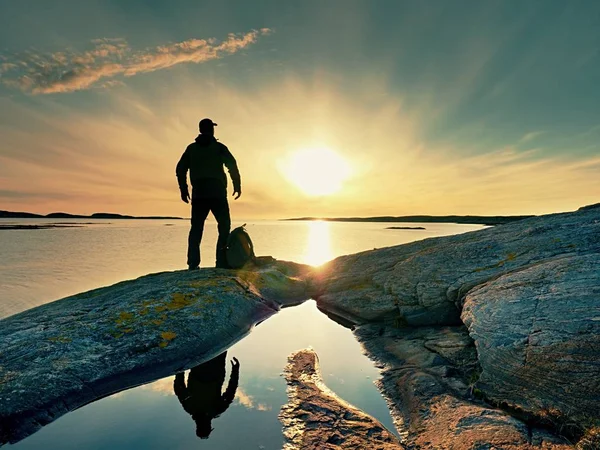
(316, 171)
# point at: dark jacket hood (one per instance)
(204, 139)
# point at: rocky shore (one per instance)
(60, 356)
(488, 339)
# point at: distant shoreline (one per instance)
(464, 220)
(61, 215)
(46, 226)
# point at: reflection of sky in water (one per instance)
(150, 416)
(42, 265)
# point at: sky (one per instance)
(331, 108)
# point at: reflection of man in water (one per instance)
(202, 397)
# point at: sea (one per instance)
(38, 266)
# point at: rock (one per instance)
(316, 418)
(510, 312)
(595, 205)
(425, 282)
(425, 377)
(537, 332)
(62, 355)
(528, 292)
(453, 424)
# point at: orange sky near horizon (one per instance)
(125, 161)
(397, 110)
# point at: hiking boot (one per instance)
(193, 267)
(222, 265)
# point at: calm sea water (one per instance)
(38, 266)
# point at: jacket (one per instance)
(205, 159)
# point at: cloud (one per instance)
(248, 401)
(531, 136)
(124, 161)
(69, 71)
(163, 386)
(8, 194)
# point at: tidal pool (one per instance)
(42, 265)
(151, 416)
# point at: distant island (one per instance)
(43, 226)
(475, 220)
(405, 228)
(62, 215)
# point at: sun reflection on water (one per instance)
(318, 246)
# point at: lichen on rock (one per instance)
(62, 355)
(509, 315)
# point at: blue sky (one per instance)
(487, 107)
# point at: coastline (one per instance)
(61, 215)
(464, 220)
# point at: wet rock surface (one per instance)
(479, 337)
(427, 375)
(529, 295)
(62, 355)
(316, 418)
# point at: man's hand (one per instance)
(238, 192)
(235, 364)
(185, 196)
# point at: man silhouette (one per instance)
(202, 398)
(205, 158)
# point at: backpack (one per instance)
(240, 250)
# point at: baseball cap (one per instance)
(207, 123)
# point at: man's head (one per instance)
(207, 126)
(203, 427)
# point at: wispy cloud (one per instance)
(163, 386)
(68, 71)
(531, 136)
(249, 402)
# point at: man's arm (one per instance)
(232, 167)
(179, 388)
(181, 171)
(229, 394)
(182, 392)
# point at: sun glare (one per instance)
(318, 248)
(317, 171)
